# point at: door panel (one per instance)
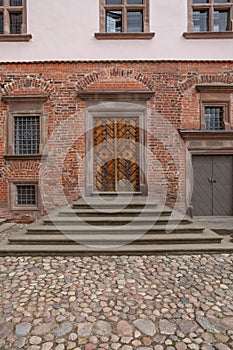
(213, 185)
(222, 188)
(202, 192)
(116, 154)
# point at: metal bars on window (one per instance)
(27, 135)
(25, 194)
(214, 118)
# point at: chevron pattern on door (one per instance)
(116, 154)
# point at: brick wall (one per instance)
(175, 105)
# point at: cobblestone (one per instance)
(94, 303)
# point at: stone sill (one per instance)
(124, 36)
(24, 156)
(15, 37)
(208, 35)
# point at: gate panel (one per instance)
(202, 199)
(222, 185)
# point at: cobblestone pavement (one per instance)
(144, 303)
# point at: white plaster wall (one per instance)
(64, 30)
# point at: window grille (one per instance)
(25, 194)
(27, 135)
(214, 118)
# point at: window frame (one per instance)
(6, 9)
(124, 7)
(215, 96)
(22, 106)
(211, 6)
(13, 194)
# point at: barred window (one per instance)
(25, 194)
(214, 118)
(27, 135)
(12, 17)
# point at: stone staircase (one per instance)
(113, 225)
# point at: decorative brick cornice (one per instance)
(207, 79)
(23, 86)
(113, 72)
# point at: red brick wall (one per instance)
(175, 105)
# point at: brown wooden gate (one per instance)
(116, 154)
(213, 185)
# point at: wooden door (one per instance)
(116, 154)
(213, 185)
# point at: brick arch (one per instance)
(206, 79)
(27, 86)
(19, 169)
(112, 74)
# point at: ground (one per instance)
(109, 302)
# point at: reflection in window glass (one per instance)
(134, 21)
(1, 23)
(221, 21)
(113, 21)
(200, 1)
(113, 2)
(200, 21)
(135, 2)
(15, 2)
(220, 1)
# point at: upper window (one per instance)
(127, 17)
(210, 19)
(27, 134)
(215, 107)
(13, 24)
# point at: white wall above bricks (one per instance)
(64, 30)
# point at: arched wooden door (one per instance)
(116, 154)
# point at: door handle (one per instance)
(212, 180)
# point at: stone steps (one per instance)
(112, 220)
(93, 226)
(94, 230)
(107, 239)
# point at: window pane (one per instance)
(214, 118)
(135, 2)
(27, 135)
(200, 1)
(200, 21)
(1, 23)
(221, 1)
(1, 2)
(113, 21)
(113, 2)
(134, 21)
(15, 22)
(26, 195)
(15, 2)
(221, 21)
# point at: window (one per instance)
(24, 195)
(26, 134)
(214, 117)
(13, 21)
(210, 19)
(124, 19)
(215, 107)
(27, 127)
